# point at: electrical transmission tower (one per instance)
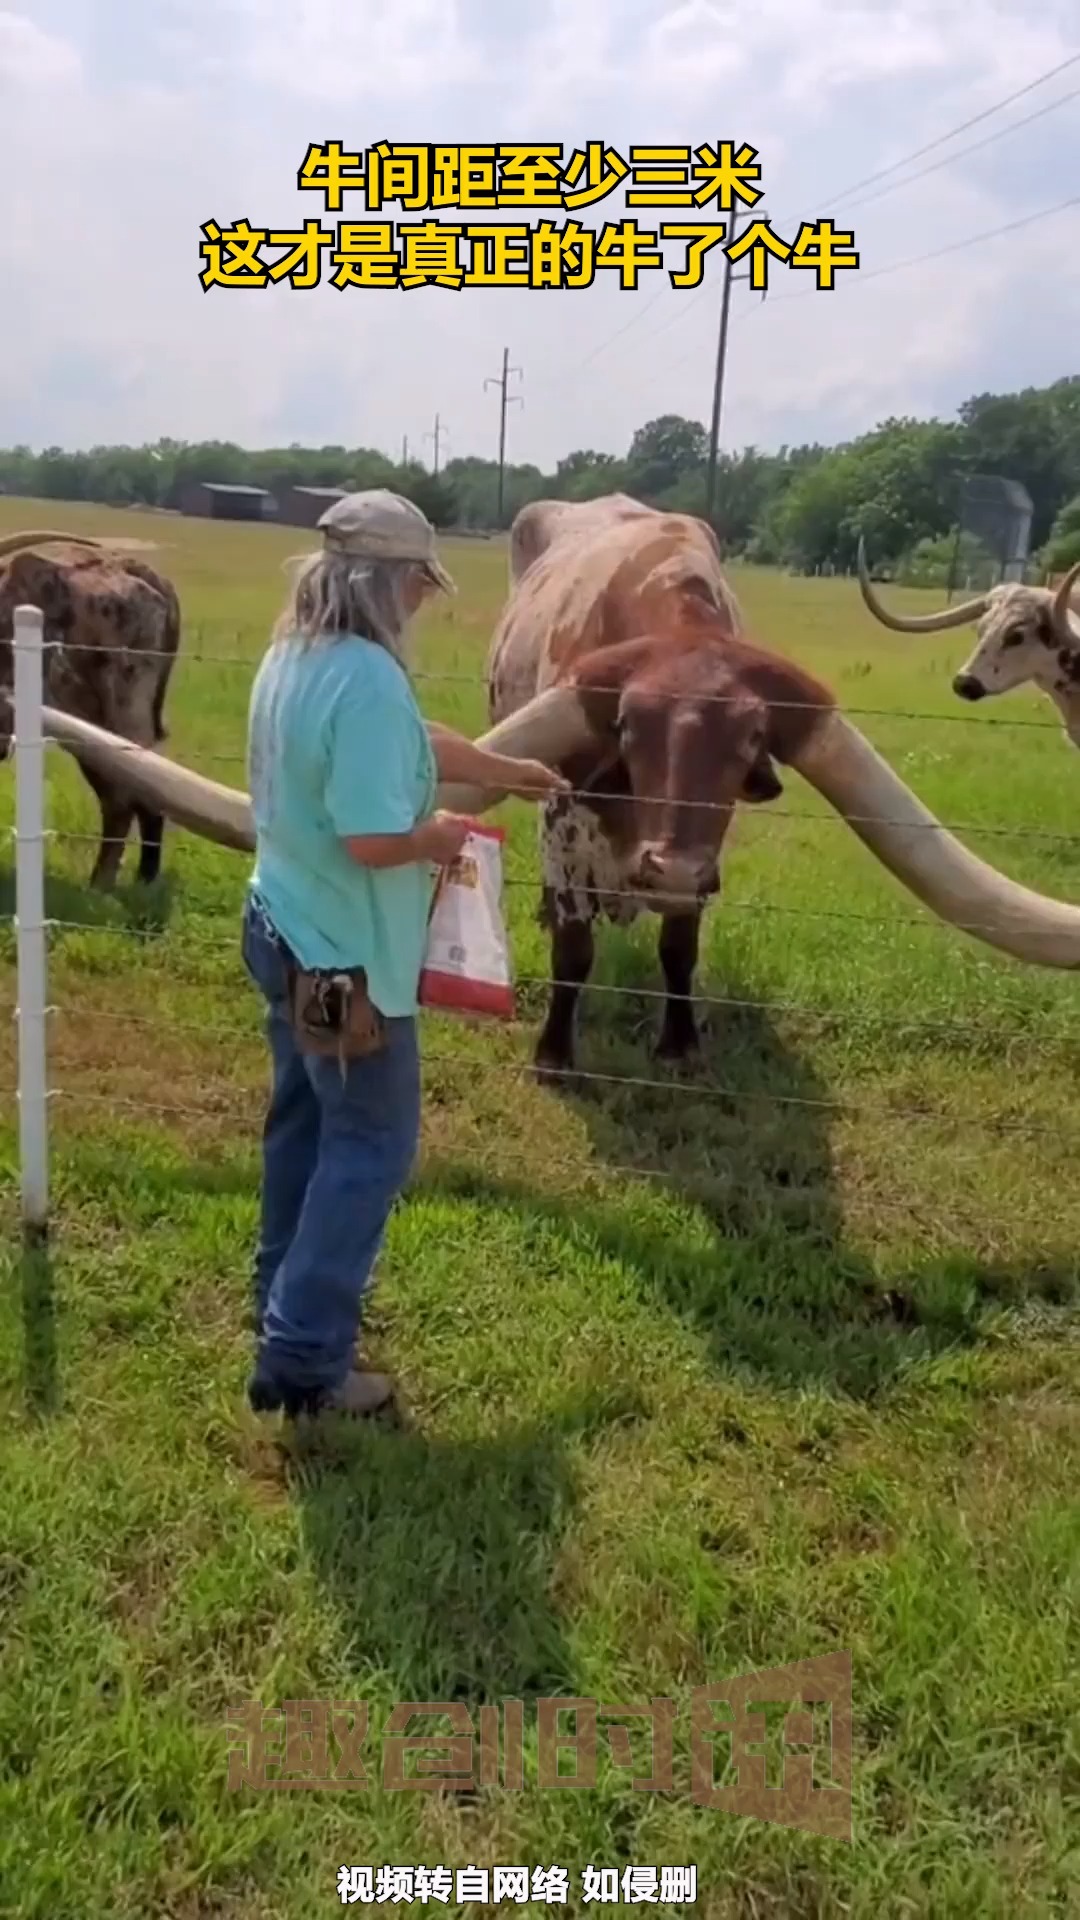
(505, 400)
(729, 280)
(436, 436)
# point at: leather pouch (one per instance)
(333, 1015)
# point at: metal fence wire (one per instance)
(34, 1011)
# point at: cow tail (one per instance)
(161, 731)
(172, 645)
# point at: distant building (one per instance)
(998, 513)
(217, 500)
(302, 506)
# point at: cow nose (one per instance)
(967, 687)
(681, 876)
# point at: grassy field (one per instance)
(700, 1375)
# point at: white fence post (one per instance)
(28, 652)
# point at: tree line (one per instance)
(801, 507)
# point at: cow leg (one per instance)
(679, 936)
(117, 814)
(151, 829)
(571, 965)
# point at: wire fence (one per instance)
(37, 1016)
(246, 662)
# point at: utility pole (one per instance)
(729, 280)
(435, 436)
(404, 449)
(504, 402)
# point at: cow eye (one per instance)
(1014, 637)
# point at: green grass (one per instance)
(695, 1382)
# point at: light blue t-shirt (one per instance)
(337, 746)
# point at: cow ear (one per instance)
(747, 725)
(762, 782)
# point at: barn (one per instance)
(302, 506)
(219, 500)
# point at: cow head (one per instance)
(1019, 640)
(1023, 634)
(681, 742)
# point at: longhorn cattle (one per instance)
(1024, 634)
(620, 657)
(111, 633)
(628, 610)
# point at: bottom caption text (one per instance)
(517, 1886)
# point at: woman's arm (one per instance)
(438, 839)
(460, 759)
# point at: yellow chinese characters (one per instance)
(380, 242)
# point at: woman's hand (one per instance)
(458, 759)
(531, 780)
(442, 837)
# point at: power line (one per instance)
(836, 199)
(902, 265)
(869, 180)
(917, 260)
(955, 246)
(603, 345)
(976, 146)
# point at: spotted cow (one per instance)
(1025, 635)
(620, 658)
(111, 633)
(671, 718)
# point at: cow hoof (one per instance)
(679, 1048)
(551, 1067)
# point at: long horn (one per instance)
(547, 729)
(905, 836)
(204, 806)
(1060, 611)
(14, 542)
(916, 622)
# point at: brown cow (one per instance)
(111, 632)
(628, 608)
(620, 657)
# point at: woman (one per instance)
(342, 772)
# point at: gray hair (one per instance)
(337, 593)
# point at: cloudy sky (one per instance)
(125, 124)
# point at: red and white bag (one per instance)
(467, 963)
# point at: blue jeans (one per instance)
(336, 1154)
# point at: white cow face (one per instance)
(1023, 634)
(1016, 642)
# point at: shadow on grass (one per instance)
(40, 1373)
(740, 1231)
(440, 1554)
(70, 901)
(759, 1263)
